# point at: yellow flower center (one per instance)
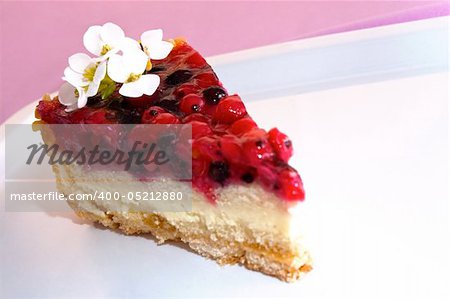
(149, 65)
(89, 73)
(133, 77)
(105, 49)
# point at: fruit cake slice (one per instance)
(246, 197)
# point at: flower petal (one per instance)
(129, 44)
(100, 72)
(79, 62)
(82, 98)
(71, 108)
(107, 55)
(74, 78)
(112, 34)
(135, 61)
(148, 84)
(131, 90)
(159, 50)
(117, 70)
(151, 36)
(92, 40)
(66, 94)
(92, 89)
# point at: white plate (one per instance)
(374, 161)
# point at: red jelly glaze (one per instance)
(228, 147)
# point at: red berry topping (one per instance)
(199, 167)
(242, 126)
(207, 79)
(213, 95)
(140, 135)
(230, 110)
(200, 129)
(231, 149)
(291, 185)
(219, 171)
(166, 118)
(206, 147)
(178, 77)
(196, 117)
(281, 144)
(196, 60)
(191, 103)
(142, 102)
(227, 145)
(185, 89)
(256, 150)
(151, 113)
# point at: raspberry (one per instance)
(229, 110)
(191, 103)
(242, 126)
(150, 114)
(291, 185)
(281, 144)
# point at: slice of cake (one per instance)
(245, 198)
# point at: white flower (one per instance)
(71, 96)
(83, 76)
(128, 69)
(83, 71)
(103, 41)
(154, 46)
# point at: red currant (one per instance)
(200, 129)
(291, 185)
(206, 147)
(206, 80)
(151, 113)
(185, 89)
(281, 144)
(166, 118)
(242, 126)
(229, 110)
(196, 117)
(231, 149)
(191, 103)
(196, 60)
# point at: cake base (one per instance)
(224, 252)
(213, 231)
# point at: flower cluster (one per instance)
(117, 60)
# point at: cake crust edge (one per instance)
(273, 263)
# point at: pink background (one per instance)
(37, 37)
